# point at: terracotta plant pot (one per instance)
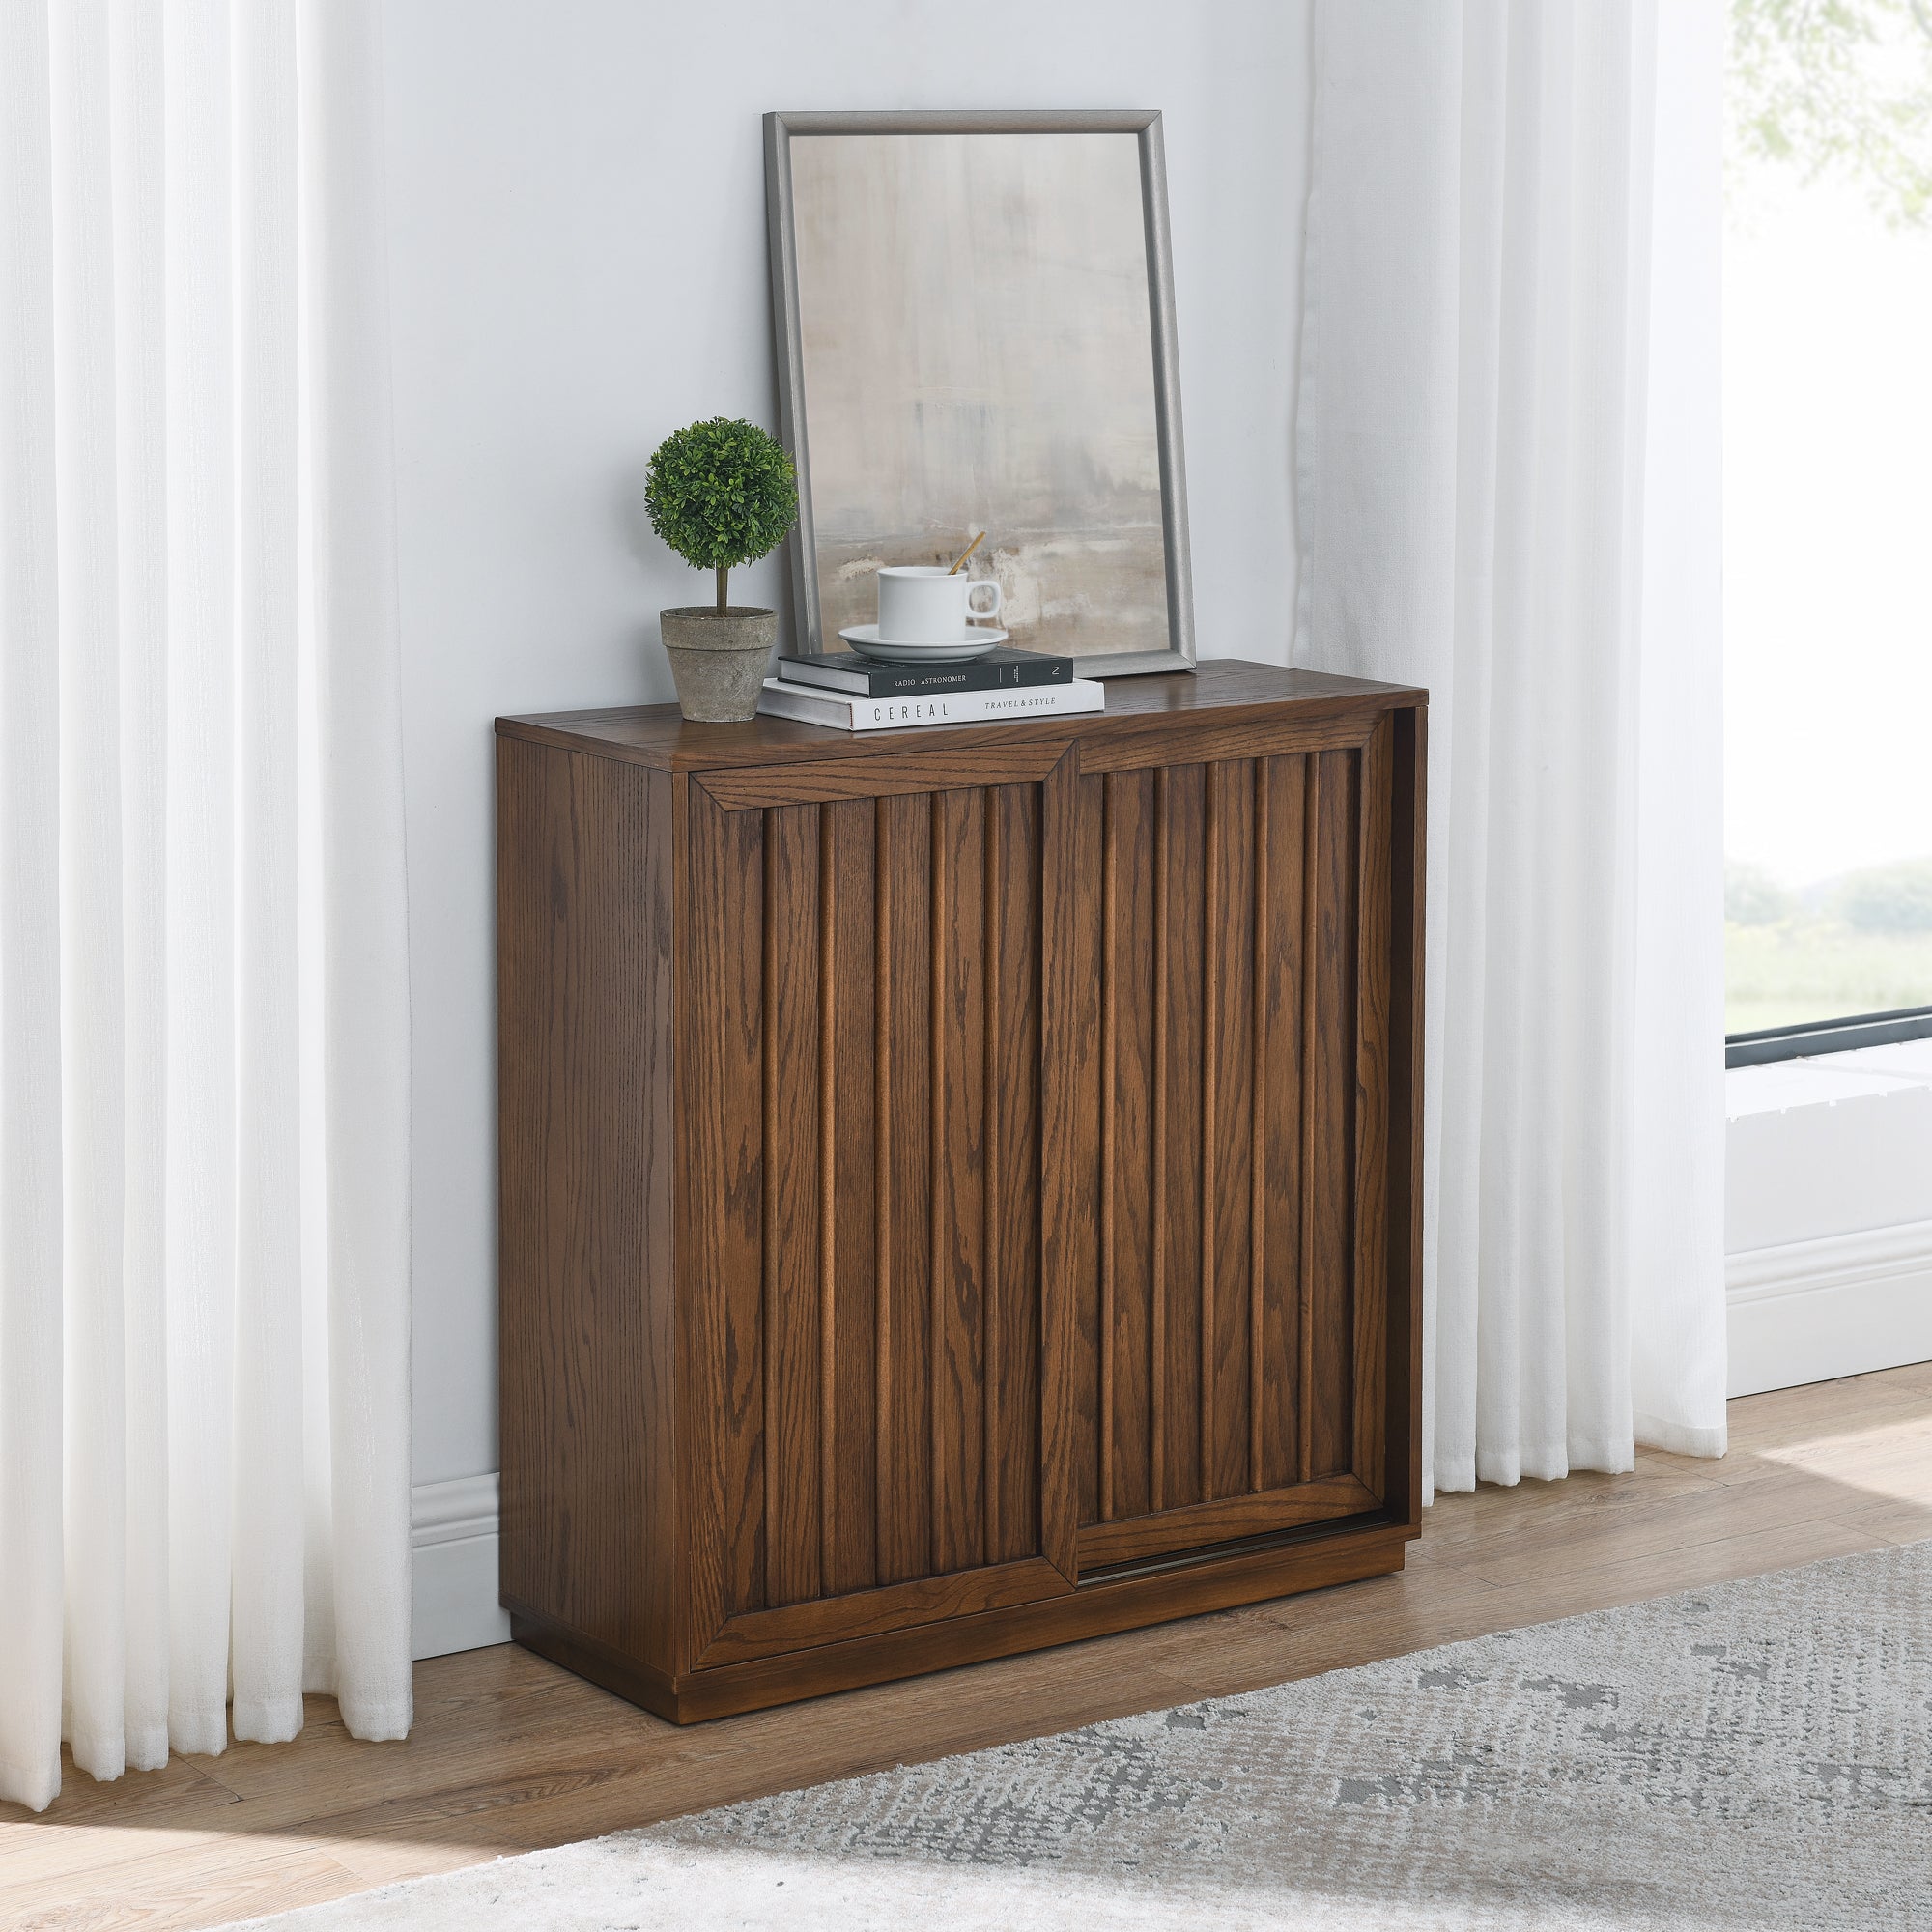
(718, 662)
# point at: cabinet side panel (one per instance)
(720, 1212)
(1409, 764)
(1372, 1149)
(585, 888)
(1331, 1070)
(902, 968)
(794, 1382)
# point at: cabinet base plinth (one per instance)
(1097, 1609)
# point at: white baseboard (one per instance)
(1842, 1305)
(453, 1532)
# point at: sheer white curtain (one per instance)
(1508, 483)
(204, 1242)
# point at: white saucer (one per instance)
(975, 642)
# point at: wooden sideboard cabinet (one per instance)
(959, 1186)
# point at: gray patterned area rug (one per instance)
(1755, 1754)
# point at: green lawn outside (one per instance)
(1815, 969)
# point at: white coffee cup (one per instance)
(925, 604)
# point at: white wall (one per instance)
(577, 267)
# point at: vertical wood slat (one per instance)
(1211, 1166)
(1067, 977)
(1280, 837)
(1158, 1417)
(1260, 1340)
(1331, 1152)
(828, 1222)
(991, 922)
(1127, 1121)
(1228, 1049)
(1310, 1144)
(1014, 1177)
(883, 1417)
(1373, 874)
(792, 1127)
(1073, 859)
(905, 1245)
(1109, 982)
(958, 1178)
(1182, 858)
(723, 1209)
(851, 1022)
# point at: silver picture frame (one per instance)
(782, 130)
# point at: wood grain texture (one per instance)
(1319, 1561)
(905, 1249)
(1374, 862)
(1210, 741)
(1015, 1164)
(1144, 714)
(1224, 1519)
(849, 1290)
(510, 1752)
(793, 1420)
(1179, 1156)
(1228, 1045)
(1127, 1129)
(721, 1215)
(1069, 945)
(881, 776)
(958, 1180)
(1282, 1059)
(871, 1612)
(1408, 766)
(1331, 1143)
(585, 1016)
(1032, 1170)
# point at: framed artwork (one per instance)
(975, 324)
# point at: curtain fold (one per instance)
(1507, 474)
(204, 1086)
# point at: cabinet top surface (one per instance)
(1229, 688)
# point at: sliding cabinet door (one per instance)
(1227, 1004)
(867, 1354)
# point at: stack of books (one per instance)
(852, 694)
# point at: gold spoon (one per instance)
(968, 552)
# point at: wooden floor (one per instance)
(510, 1753)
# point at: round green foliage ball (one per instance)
(721, 493)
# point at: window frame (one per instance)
(1839, 1035)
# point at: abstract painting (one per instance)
(975, 321)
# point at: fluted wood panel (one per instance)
(879, 965)
(1237, 1291)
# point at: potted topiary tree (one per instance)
(720, 493)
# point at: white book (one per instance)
(845, 713)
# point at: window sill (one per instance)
(1829, 1215)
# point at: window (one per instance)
(1827, 525)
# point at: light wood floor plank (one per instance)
(510, 1753)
